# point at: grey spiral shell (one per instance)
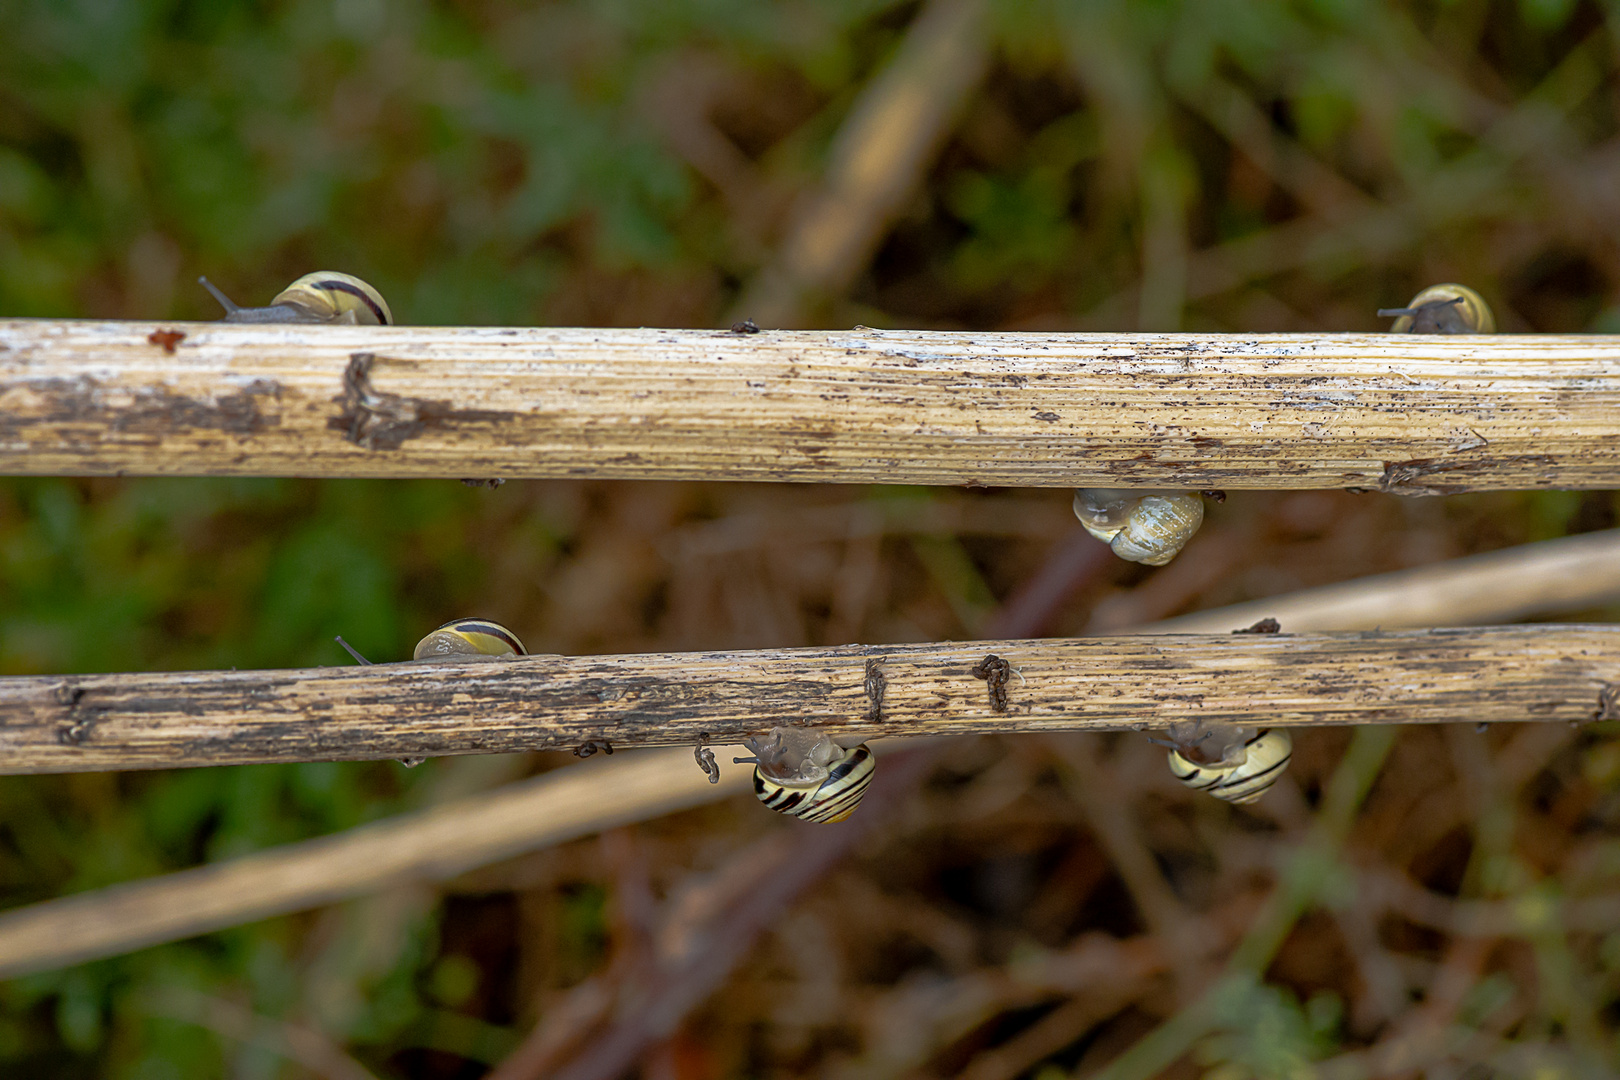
(1148, 527)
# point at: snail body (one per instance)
(807, 775)
(1149, 527)
(1237, 764)
(325, 296)
(1443, 309)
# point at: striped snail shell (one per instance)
(469, 637)
(1443, 309)
(1237, 764)
(325, 296)
(809, 776)
(1149, 527)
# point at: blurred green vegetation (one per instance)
(1213, 165)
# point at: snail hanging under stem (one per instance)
(1149, 527)
(458, 637)
(1237, 764)
(1443, 309)
(805, 774)
(325, 296)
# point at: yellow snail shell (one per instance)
(469, 637)
(1237, 764)
(1148, 527)
(807, 775)
(1443, 309)
(325, 296)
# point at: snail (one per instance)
(458, 637)
(1237, 764)
(1443, 309)
(808, 775)
(325, 296)
(1148, 527)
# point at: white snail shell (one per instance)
(1443, 309)
(1149, 527)
(325, 296)
(1237, 764)
(469, 637)
(807, 775)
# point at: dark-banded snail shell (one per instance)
(325, 296)
(807, 775)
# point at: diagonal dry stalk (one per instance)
(428, 845)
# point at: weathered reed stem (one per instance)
(163, 720)
(601, 793)
(1400, 413)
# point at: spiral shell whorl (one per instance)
(469, 637)
(1148, 527)
(330, 296)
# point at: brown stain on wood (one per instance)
(378, 420)
(166, 339)
(86, 413)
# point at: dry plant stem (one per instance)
(1500, 586)
(599, 794)
(430, 845)
(883, 148)
(1544, 672)
(1410, 414)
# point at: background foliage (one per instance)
(1218, 165)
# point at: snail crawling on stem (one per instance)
(458, 637)
(1237, 764)
(325, 296)
(806, 774)
(1443, 309)
(1148, 527)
